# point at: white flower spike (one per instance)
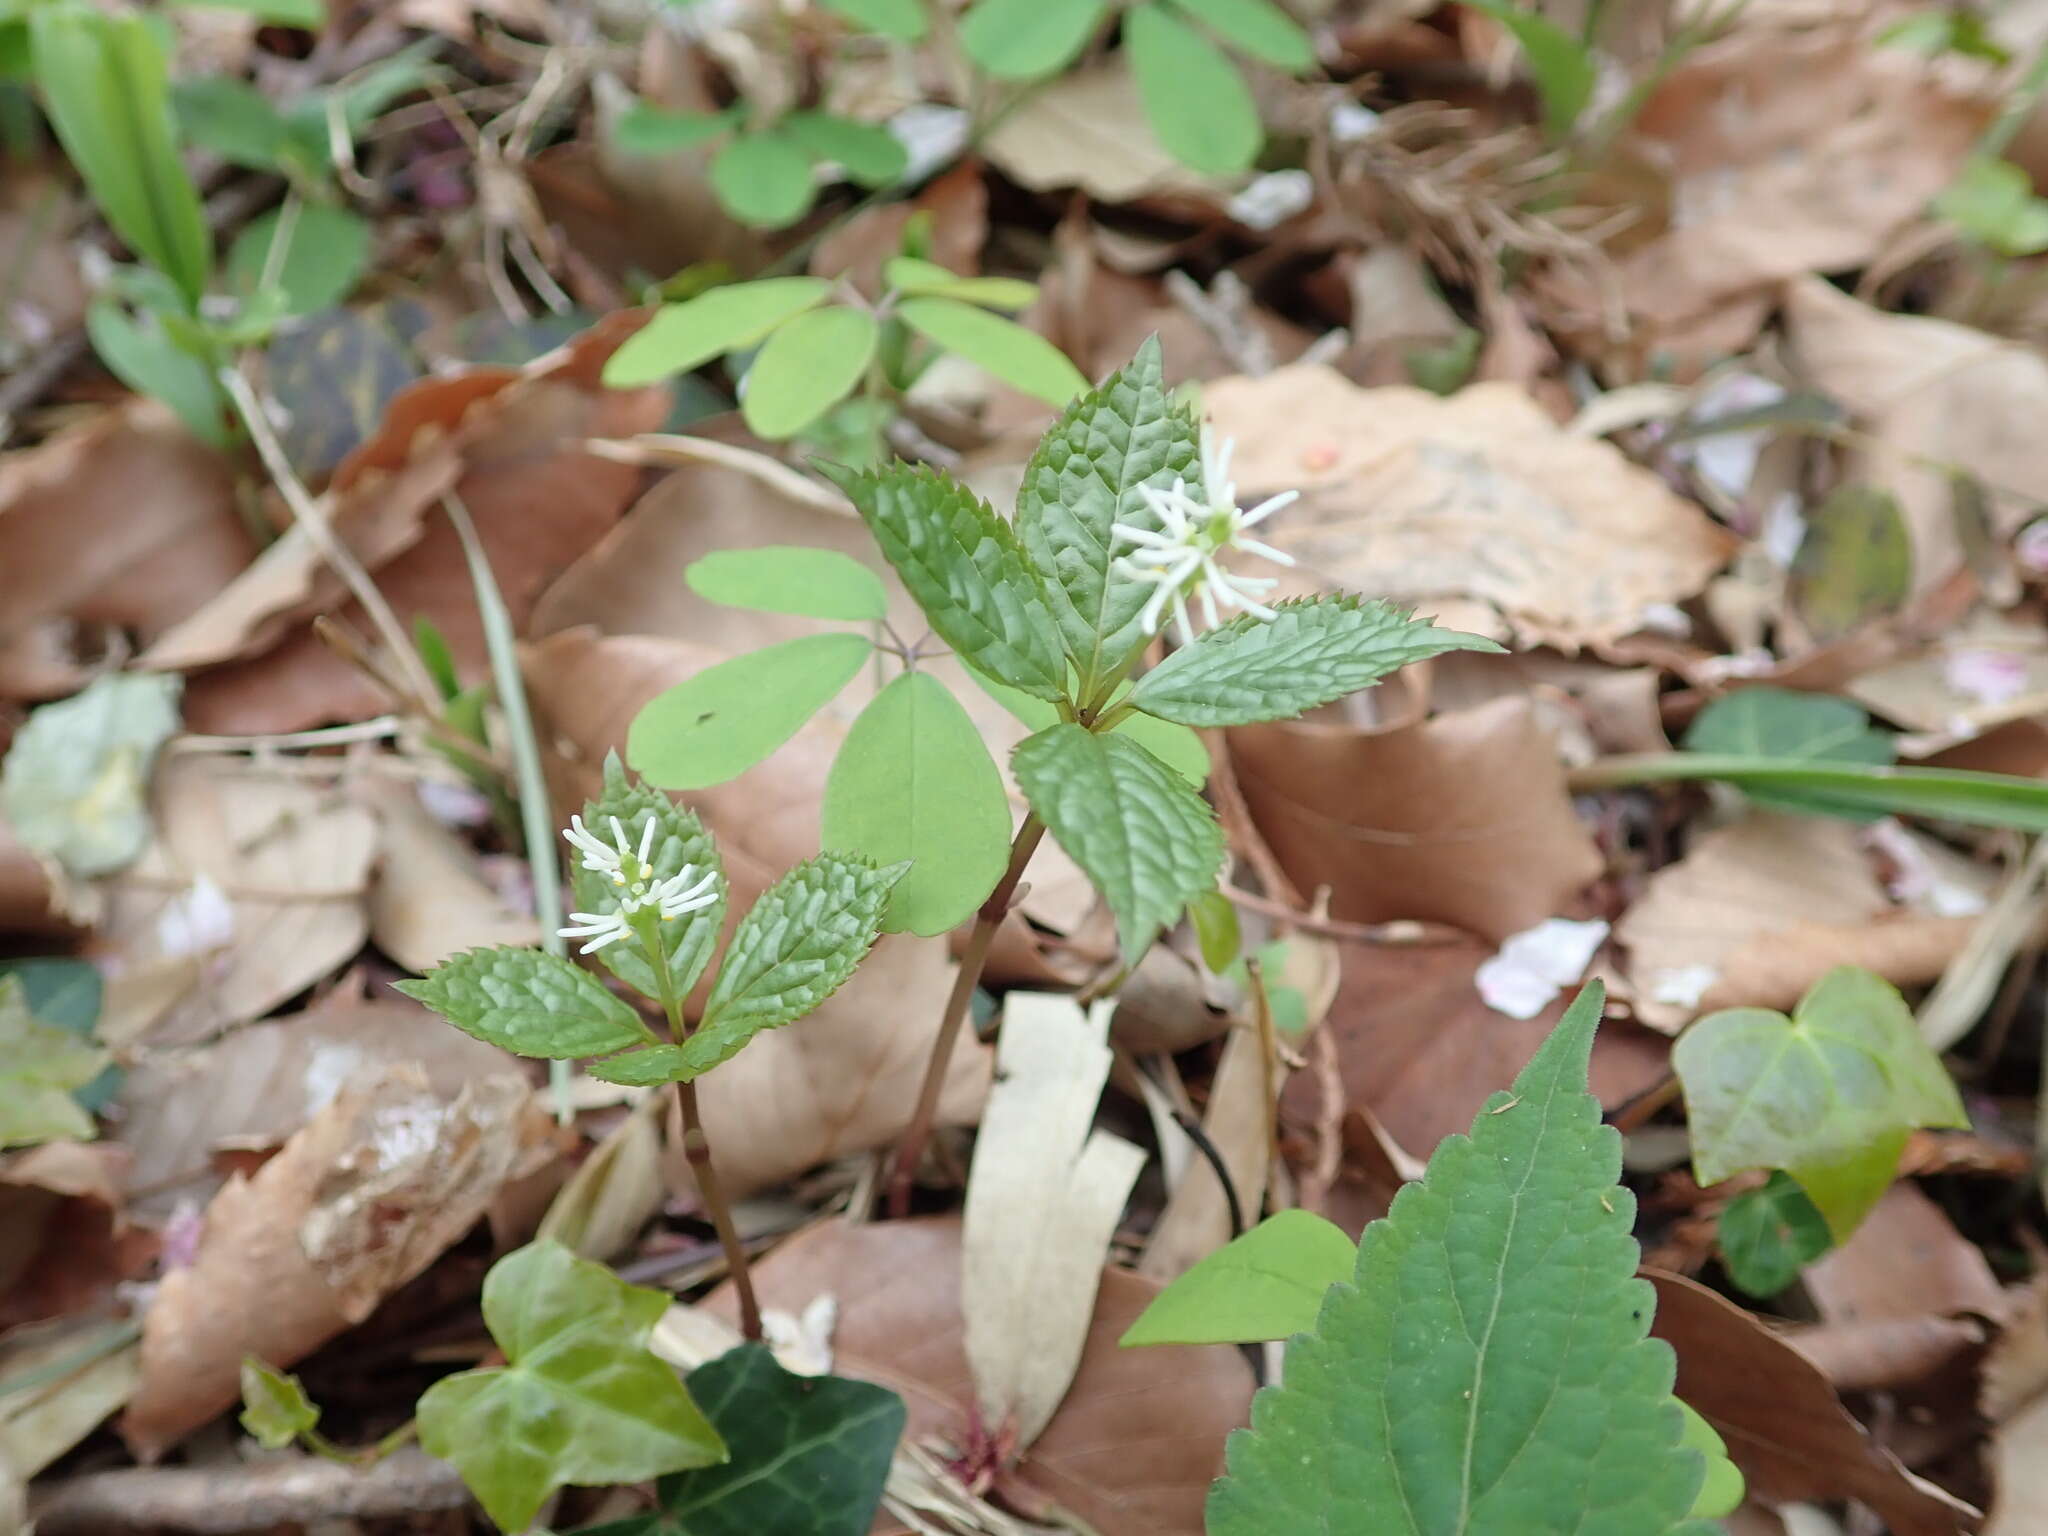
(1194, 533)
(633, 874)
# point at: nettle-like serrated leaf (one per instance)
(1267, 1284)
(75, 784)
(651, 1067)
(1828, 1094)
(810, 1455)
(275, 1408)
(679, 840)
(579, 1400)
(1768, 1235)
(1174, 745)
(1315, 651)
(1489, 1370)
(967, 570)
(41, 1067)
(1139, 830)
(1086, 477)
(530, 1003)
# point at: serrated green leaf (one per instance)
(275, 1408)
(806, 367)
(325, 254)
(907, 274)
(810, 1455)
(1828, 1094)
(1855, 563)
(142, 355)
(1314, 652)
(872, 156)
(679, 841)
(1174, 745)
(530, 1003)
(579, 1400)
(1562, 66)
(1086, 476)
(1795, 727)
(789, 578)
(1028, 39)
(41, 1067)
(1267, 1284)
(1722, 1489)
(1768, 1235)
(728, 717)
(1488, 1372)
(901, 19)
(795, 947)
(1259, 28)
(651, 1067)
(105, 83)
(1195, 100)
(75, 783)
(687, 335)
(1138, 829)
(764, 180)
(645, 129)
(964, 565)
(1021, 358)
(913, 782)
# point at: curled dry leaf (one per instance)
(370, 1192)
(1419, 498)
(1758, 910)
(65, 1231)
(1140, 1433)
(428, 896)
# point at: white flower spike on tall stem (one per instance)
(1194, 532)
(633, 874)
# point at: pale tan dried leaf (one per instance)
(1239, 1124)
(615, 1190)
(428, 896)
(1906, 1260)
(1087, 129)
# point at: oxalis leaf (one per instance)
(75, 783)
(1315, 651)
(1087, 476)
(1768, 1235)
(530, 1003)
(1488, 1372)
(963, 564)
(1146, 839)
(1828, 1094)
(810, 1455)
(579, 1399)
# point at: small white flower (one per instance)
(1193, 533)
(633, 875)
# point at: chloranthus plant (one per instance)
(1127, 530)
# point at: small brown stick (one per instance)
(258, 1496)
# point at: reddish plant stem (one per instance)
(697, 1148)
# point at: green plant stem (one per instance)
(910, 1150)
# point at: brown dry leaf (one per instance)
(615, 1191)
(257, 1086)
(28, 902)
(2014, 1399)
(1785, 1427)
(257, 873)
(124, 524)
(1482, 495)
(361, 1200)
(65, 1241)
(1906, 1261)
(1087, 129)
(428, 897)
(841, 1080)
(1461, 819)
(1133, 1447)
(1239, 1124)
(46, 293)
(1759, 909)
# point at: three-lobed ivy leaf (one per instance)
(75, 783)
(790, 578)
(810, 1455)
(530, 1003)
(275, 1408)
(805, 368)
(1267, 1284)
(1768, 1235)
(1020, 357)
(579, 1400)
(1029, 39)
(679, 839)
(1795, 727)
(686, 335)
(1315, 651)
(1829, 1094)
(977, 587)
(913, 782)
(1489, 1369)
(1087, 475)
(1139, 830)
(41, 1069)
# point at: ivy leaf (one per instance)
(903, 20)
(805, 368)
(789, 578)
(1259, 28)
(1768, 1235)
(679, 839)
(579, 1399)
(41, 1067)
(1267, 1284)
(1029, 39)
(1086, 476)
(1317, 650)
(728, 717)
(907, 274)
(913, 781)
(1195, 99)
(1146, 839)
(963, 564)
(764, 180)
(1795, 727)
(810, 1455)
(871, 156)
(530, 1003)
(1021, 358)
(687, 335)
(275, 1408)
(1828, 1095)
(75, 784)
(1488, 1370)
